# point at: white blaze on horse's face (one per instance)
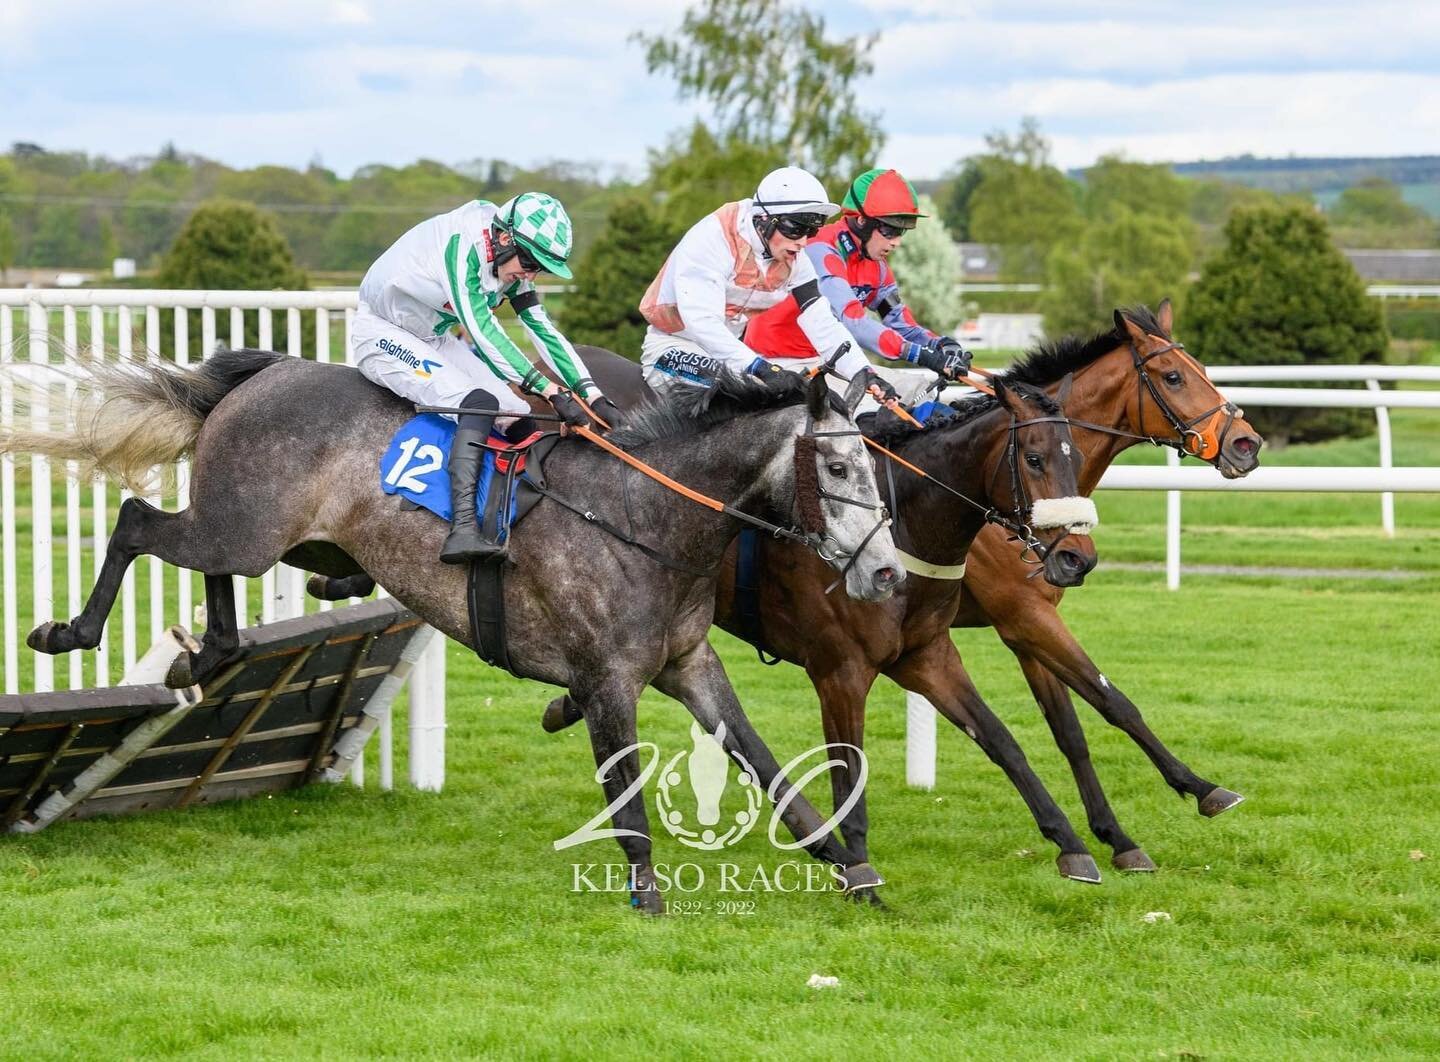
(852, 508)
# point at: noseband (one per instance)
(1205, 443)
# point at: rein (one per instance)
(1013, 522)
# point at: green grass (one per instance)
(338, 922)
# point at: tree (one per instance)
(1142, 188)
(697, 173)
(226, 244)
(927, 265)
(1022, 203)
(955, 198)
(9, 246)
(1125, 259)
(610, 280)
(775, 81)
(1280, 293)
(1374, 214)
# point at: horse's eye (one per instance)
(1172, 378)
(838, 470)
(1033, 460)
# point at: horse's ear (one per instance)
(817, 397)
(855, 393)
(1004, 395)
(1125, 326)
(1065, 385)
(1166, 316)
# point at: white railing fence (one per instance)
(52, 327)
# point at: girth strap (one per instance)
(485, 598)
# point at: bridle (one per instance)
(1201, 436)
(1016, 519)
(812, 517)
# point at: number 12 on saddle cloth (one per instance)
(413, 466)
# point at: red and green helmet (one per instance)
(884, 195)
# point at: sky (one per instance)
(355, 82)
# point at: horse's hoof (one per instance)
(181, 675)
(318, 586)
(1134, 861)
(866, 898)
(559, 714)
(1078, 866)
(647, 902)
(1218, 800)
(49, 638)
(860, 877)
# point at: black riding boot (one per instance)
(466, 541)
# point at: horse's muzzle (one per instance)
(1070, 560)
(1240, 455)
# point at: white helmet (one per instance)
(791, 190)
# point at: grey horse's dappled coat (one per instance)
(286, 466)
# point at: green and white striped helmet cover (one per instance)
(539, 222)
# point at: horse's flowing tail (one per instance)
(124, 418)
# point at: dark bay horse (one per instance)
(1130, 385)
(983, 456)
(286, 457)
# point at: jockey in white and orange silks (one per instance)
(733, 264)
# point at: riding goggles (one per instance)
(895, 225)
(798, 226)
(526, 260)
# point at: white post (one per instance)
(269, 596)
(42, 534)
(185, 614)
(290, 582)
(157, 566)
(1382, 428)
(919, 742)
(237, 341)
(1172, 527)
(129, 650)
(72, 507)
(9, 581)
(99, 504)
(427, 719)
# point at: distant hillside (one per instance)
(1418, 176)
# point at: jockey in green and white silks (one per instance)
(441, 282)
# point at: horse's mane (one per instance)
(691, 410)
(1044, 364)
(888, 430)
(1048, 362)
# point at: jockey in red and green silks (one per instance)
(851, 257)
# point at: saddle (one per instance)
(511, 481)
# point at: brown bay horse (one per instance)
(1129, 385)
(995, 462)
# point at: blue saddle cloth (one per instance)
(414, 466)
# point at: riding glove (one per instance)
(875, 380)
(945, 356)
(570, 412)
(607, 411)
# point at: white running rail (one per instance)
(45, 326)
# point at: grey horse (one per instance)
(285, 465)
